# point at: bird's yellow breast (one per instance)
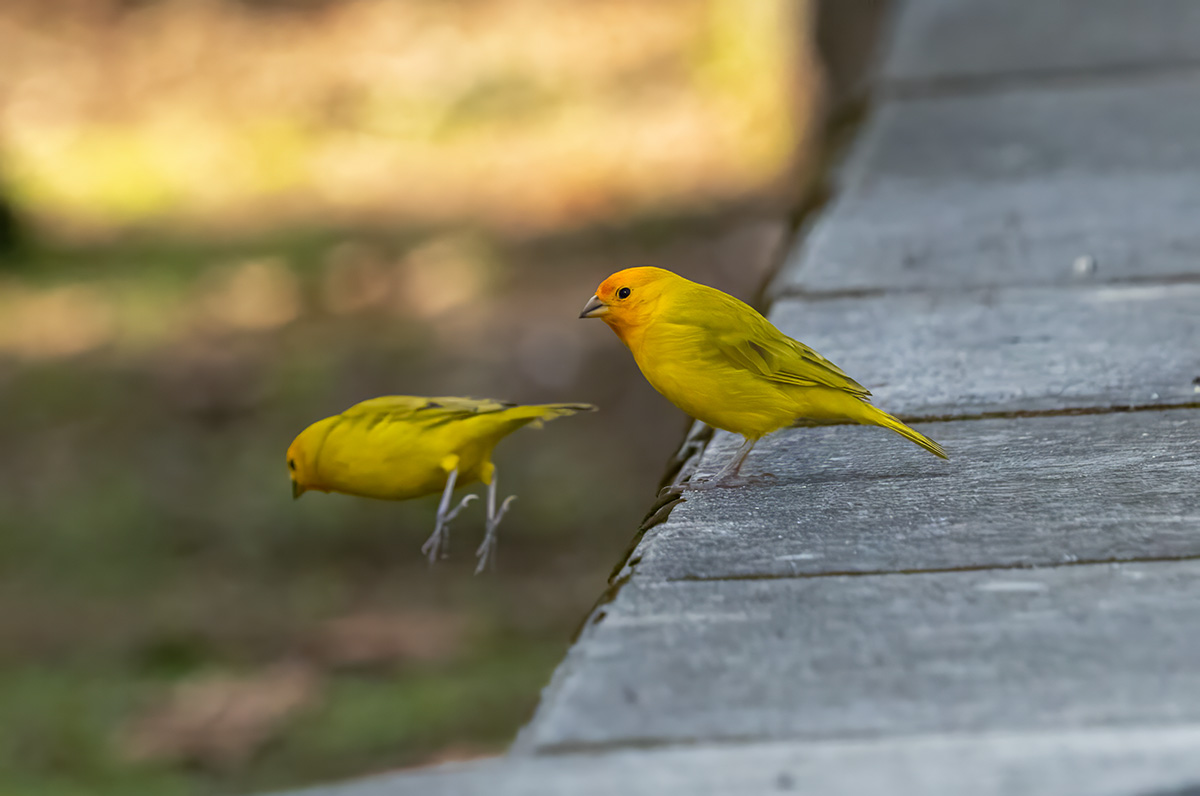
(680, 363)
(724, 363)
(398, 447)
(372, 456)
(397, 461)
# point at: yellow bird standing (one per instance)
(723, 363)
(399, 447)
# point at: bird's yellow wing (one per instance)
(421, 411)
(751, 342)
(786, 361)
(430, 413)
(398, 447)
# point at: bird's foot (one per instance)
(461, 505)
(438, 544)
(433, 545)
(729, 482)
(486, 553)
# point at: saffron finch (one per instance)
(723, 363)
(399, 447)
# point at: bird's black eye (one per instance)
(623, 293)
(291, 464)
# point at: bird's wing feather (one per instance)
(423, 411)
(750, 341)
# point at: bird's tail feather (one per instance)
(539, 413)
(881, 418)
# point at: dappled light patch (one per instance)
(373, 640)
(521, 115)
(220, 721)
(442, 275)
(244, 215)
(252, 295)
(357, 277)
(51, 322)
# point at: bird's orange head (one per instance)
(627, 300)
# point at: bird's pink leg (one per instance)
(727, 476)
(487, 549)
(438, 544)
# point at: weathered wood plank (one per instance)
(1016, 492)
(1136, 761)
(944, 354)
(1014, 188)
(940, 39)
(853, 656)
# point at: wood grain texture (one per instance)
(1133, 761)
(1016, 492)
(1012, 350)
(1013, 188)
(945, 39)
(861, 657)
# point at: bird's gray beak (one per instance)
(297, 490)
(594, 308)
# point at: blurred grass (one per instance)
(66, 714)
(246, 216)
(219, 112)
(148, 536)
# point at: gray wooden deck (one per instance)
(1012, 260)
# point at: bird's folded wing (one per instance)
(432, 411)
(772, 355)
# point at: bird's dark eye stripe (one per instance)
(623, 293)
(291, 464)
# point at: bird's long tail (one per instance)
(539, 413)
(879, 417)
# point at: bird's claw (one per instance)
(484, 555)
(503, 508)
(487, 548)
(438, 544)
(703, 484)
(461, 505)
(432, 545)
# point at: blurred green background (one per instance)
(223, 220)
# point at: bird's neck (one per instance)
(629, 333)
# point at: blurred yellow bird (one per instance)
(723, 363)
(399, 447)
